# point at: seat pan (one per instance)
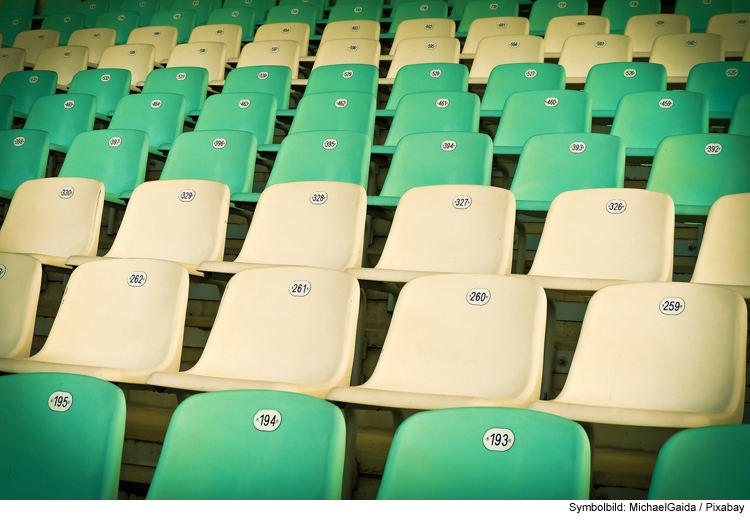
(413, 400)
(228, 268)
(388, 275)
(195, 382)
(20, 366)
(51, 260)
(572, 283)
(77, 260)
(742, 290)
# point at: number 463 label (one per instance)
(498, 439)
(267, 420)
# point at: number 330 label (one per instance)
(60, 401)
(498, 439)
(267, 420)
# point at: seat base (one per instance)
(23, 366)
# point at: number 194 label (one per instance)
(60, 401)
(672, 306)
(267, 420)
(498, 439)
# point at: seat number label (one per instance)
(666, 103)
(267, 420)
(330, 144)
(497, 439)
(672, 306)
(319, 198)
(462, 202)
(478, 296)
(616, 206)
(67, 192)
(60, 401)
(713, 149)
(187, 195)
(300, 288)
(2, 271)
(137, 279)
(577, 147)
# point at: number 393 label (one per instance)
(60, 401)
(672, 306)
(478, 296)
(499, 439)
(267, 420)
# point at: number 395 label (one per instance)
(672, 306)
(499, 439)
(267, 420)
(60, 401)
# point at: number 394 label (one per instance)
(498, 439)
(267, 420)
(60, 401)
(672, 306)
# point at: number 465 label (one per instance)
(499, 439)
(60, 401)
(267, 420)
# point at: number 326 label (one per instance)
(499, 439)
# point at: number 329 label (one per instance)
(499, 439)
(267, 420)
(672, 306)
(60, 401)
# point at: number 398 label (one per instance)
(60, 401)
(672, 306)
(478, 296)
(498, 439)
(300, 288)
(267, 420)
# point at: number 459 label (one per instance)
(498, 439)
(267, 420)
(60, 401)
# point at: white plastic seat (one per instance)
(34, 41)
(52, 219)
(209, 55)
(422, 51)
(281, 328)
(162, 38)
(459, 341)
(229, 34)
(66, 61)
(505, 49)
(447, 229)
(560, 28)
(138, 59)
(348, 51)
(735, 28)
(493, 27)
(581, 53)
(423, 28)
(296, 31)
(324, 219)
(347, 29)
(11, 60)
(184, 221)
(20, 280)
(645, 29)
(271, 53)
(96, 40)
(681, 51)
(658, 355)
(119, 320)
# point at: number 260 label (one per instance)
(478, 297)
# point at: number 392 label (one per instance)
(498, 439)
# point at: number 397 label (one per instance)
(498, 439)
(60, 401)
(672, 306)
(478, 297)
(267, 420)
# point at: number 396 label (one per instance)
(60, 401)
(478, 297)
(672, 306)
(267, 420)
(498, 439)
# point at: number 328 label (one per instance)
(267, 420)
(672, 306)
(499, 439)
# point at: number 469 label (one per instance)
(267, 420)
(498, 439)
(60, 401)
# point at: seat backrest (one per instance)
(7, 108)
(74, 453)
(296, 31)
(95, 39)
(108, 85)
(160, 115)
(434, 112)
(65, 24)
(679, 52)
(92, 9)
(735, 29)
(239, 458)
(248, 112)
(551, 164)
(209, 55)
(24, 157)
(244, 17)
(182, 19)
(144, 8)
(202, 9)
(306, 14)
(423, 28)
(20, 281)
(424, 50)
(662, 347)
(36, 40)
(66, 61)
(354, 11)
(62, 116)
(59, 217)
(607, 83)
(10, 8)
(562, 27)
(348, 51)
(261, 7)
(550, 459)
(581, 53)
(138, 59)
(418, 9)
(228, 34)
(420, 78)
(622, 234)
(53, 7)
(480, 9)
(162, 38)
(123, 22)
(326, 219)
(317, 4)
(432, 221)
(722, 83)
(505, 49)
(542, 11)
(11, 60)
(620, 11)
(493, 27)
(507, 79)
(439, 158)
(184, 221)
(343, 77)
(740, 123)
(700, 12)
(336, 111)
(274, 80)
(28, 86)
(645, 29)
(11, 26)
(118, 158)
(271, 53)
(189, 81)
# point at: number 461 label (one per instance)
(267, 420)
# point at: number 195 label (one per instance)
(60, 401)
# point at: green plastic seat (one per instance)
(740, 123)
(548, 457)
(123, 22)
(433, 77)
(189, 81)
(643, 119)
(261, 7)
(117, 158)
(274, 80)
(507, 79)
(698, 169)
(722, 83)
(706, 463)
(528, 114)
(65, 24)
(343, 78)
(607, 83)
(700, 11)
(436, 158)
(54, 7)
(160, 115)
(28, 86)
(11, 8)
(108, 85)
(476, 9)
(542, 11)
(550, 165)
(11, 26)
(413, 10)
(319, 156)
(355, 11)
(62, 437)
(63, 117)
(304, 14)
(183, 19)
(319, 5)
(202, 9)
(23, 157)
(241, 16)
(354, 111)
(348, 2)
(252, 445)
(114, 5)
(619, 12)
(225, 156)
(91, 11)
(144, 8)
(247, 112)
(7, 108)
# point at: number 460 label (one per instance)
(267, 420)
(60, 401)
(499, 439)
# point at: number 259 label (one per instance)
(267, 420)
(498, 439)
(60, 401)
(672, 306)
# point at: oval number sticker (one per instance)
(498, 439)
(67, 192)
(666, 103)
(462, 202)
(60, 401)
(616, 206)
(442, 103)
(267, 420)
(672, 306)
(319, 198)
(2, 271)
(478, 296)
(115, 142)
(137, 279)
(300, 288)
(330, 144)
(448, 146)
(713, 148)
(577, 147)
(187, 195)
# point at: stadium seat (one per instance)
(620, 11)
(12, 60)
(336, 111)
(138, 59)
(53, 7)
(740, 123)
(182, 19)
(493, 27)
(528, 114)
(10, 27)
(191, 82)
(421, 78)
(505, 49)
(35, 41)
(477, 10)
(735, 28)
(700, 11)
(295, 31)
(117, 158)
(348, 29)
(240, 16)
(63, 117)
(599, 237)
(108, 85)
(552, 459)
(691, 467)
(305, 14)
(54, 218)
(507, 79)
(725, 252)
(645, 29)
(96, 40)
(431, 222)
(643, 119)
(722, 83)
(66, 61)
(162, 38)
(343, 77)
(123, 22)
(160, 115)
(19, 296)
(26, 87)
(247, 112)
(348, 51)
(423, 51)
(352, 11)
(260, 7)
(271, 53)
(144, 8)
(73, 453)
(7, 108)
(423, 28)
(415, 10)
(274, 80)
(427, 362)
(581, 53)
(209, 55)
(436, 158)
(551, 164)
(91, 11)
(657, 355)
(65, 24)
(184, 221)
(228, 34)
(240, 458)
(607, 83)
(202, 9)
(698, 169)
(562, 27)
(319, 156)
(10, 8)
(542, 11)
(24, 157)
(681, 51)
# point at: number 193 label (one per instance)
(60, 401)
(267, 420)
(498, 439)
